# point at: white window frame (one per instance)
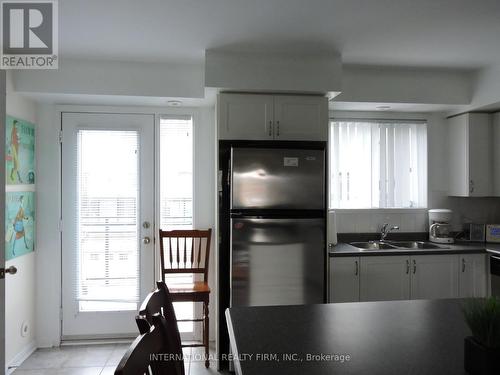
(375, 117)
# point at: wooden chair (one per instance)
(159, 302)
(188, 252)
(147, 353)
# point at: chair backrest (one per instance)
(159, 302)
(185, 251)
(148, 354)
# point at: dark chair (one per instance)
(159, 302)
(188, 252)
(147, 354)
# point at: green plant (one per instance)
(483, 318)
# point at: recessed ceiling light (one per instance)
(174, 103)
(383, 107)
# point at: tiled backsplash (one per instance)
(369, 221)
(477, 210)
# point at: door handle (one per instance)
(12, 270)
(356, 270)
(146, 240)
(278, 128)
(414, 266)
(463, 265)
(270, 128)
(407, 266)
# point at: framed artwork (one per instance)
(19, 223)
(20, 152)
(20, 187)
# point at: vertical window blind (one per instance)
(378, 164)
(107, 220)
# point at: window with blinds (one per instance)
(176, 192)
(107, 220)
(378, 164)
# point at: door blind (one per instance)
(107, 209)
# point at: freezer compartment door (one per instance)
(277, 261)
(278, 178)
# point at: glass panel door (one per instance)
(176, 194)
(106, 208)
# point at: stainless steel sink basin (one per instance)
(372, 245)
(395, 245)
(415, 245)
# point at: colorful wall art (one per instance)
(20, 152)
(20, 171)
(19, 223)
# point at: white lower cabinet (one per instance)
(384, 278)
(344, 279)
(399, 277)
(434, 276)
(473, 275)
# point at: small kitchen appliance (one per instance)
(474, 232)
(439, 225)
(493, 233)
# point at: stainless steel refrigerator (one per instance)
(277, 229)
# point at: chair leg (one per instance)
(205, 333)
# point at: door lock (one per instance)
(146, 240)
(12, 270)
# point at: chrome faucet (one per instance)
(384, 231)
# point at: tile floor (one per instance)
(96, 360)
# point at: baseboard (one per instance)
(20, 357)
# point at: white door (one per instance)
(2, 227)
(473, 272)
(385, 278)
(107, 222)
(245, 116)
(344, 279)
(434, 276)
(301, 118)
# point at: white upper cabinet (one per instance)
(496, 154)
(243, 116)
(472, 277)
(299, 118)
(470, 155)
(279, 117)
(385, 278)
(434, 276)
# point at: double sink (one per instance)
(395, 245)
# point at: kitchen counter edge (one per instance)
(346, 250)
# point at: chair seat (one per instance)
(197, 291)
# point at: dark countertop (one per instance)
(344, 250)
(396, 337)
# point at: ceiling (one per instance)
(459, 34)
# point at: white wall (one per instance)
(404, 85)
(20, 288)
(94, 77)
(48, 187)
(274, 72)
(480, 210)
